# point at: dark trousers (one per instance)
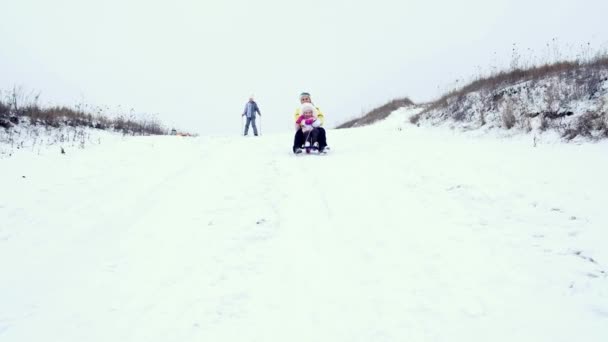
(316, 135)
(251, 120)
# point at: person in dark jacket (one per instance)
(251, 108)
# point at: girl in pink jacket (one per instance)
(308, 119)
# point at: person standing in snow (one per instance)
(309, 125)
(251, 108)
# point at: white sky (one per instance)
(195, 63)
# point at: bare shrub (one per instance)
(507, 115)
(585, 125)
(19, 101)
(594, 83)
(4, 110)
(414, 119)
(544, 123)
(552, 98)
(604, 109)
(459, 115)
(527, 125)
(4, 116)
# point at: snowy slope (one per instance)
(400, 234)
(573, 103)
(26, 138)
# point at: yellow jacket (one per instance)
(319, 115)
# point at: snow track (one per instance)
(396, 235)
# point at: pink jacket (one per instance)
(302, 119)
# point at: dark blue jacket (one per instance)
(251, 108)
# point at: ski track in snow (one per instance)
(396, 235)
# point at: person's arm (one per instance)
(257, 109)
(300, 119)
(296, 114)
(320, 117)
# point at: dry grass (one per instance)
(12, 113)
(586, 73)
(378, 113)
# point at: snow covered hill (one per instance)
(568, 98)
(401, 233)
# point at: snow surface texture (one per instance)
(26, 138)
(399, 234)
(570, 103)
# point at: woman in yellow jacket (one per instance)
(312, 127)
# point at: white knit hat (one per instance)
(308, 106)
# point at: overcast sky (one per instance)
(194, 63)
